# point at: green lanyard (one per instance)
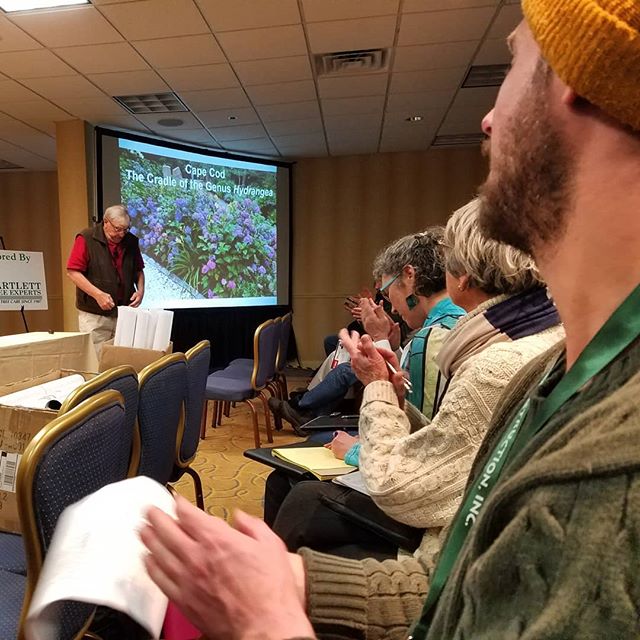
(620, 330)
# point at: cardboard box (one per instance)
(112, 356)
(18, 426)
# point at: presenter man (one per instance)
(106, 266)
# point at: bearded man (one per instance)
(546, 542)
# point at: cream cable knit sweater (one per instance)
(416, 471)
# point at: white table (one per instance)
(27, 355)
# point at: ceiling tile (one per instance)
(430, 80)
(185, 51)
(341, 106)
(419, 100)
(305, 151)
(295, 127)
(353, 86)
(323, 10)
(352, 122)
(415, 6)
(347, 35)
(293, 111)
(35, 110)
(241, 132)
(149, 19)
(493, 51)
(33, 64)
(207, 76)
(305, 139)
(398, 119)
(506, 21)
(12, 38)
(349, 147)
(215, 99)
(24, 158)
(87, 108)
(444, 26)
(11, 91)
(249, 14)
(151, 120)
(67, 27)
(434, 56)
(459, 121)
(256, 44)
(221, 117)
(64, 87)
(129, 82)
(201, 137)
(282, 92)
(421, 142)
(47, 126)
(409, 130)
(261, 146)
(102, 58)
(482, 98)
(121, 122)
(287, 69)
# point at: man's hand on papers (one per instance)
(136, 298)
(231, 582)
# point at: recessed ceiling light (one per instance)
(9, 6)
(414, 119)
(232, 118)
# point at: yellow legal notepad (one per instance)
(317, 460)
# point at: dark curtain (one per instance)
(230, 331)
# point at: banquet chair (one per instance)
(198, 358)
(122, 379)
(239, 385)
(76, 454)
(162, 393)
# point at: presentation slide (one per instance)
(213, 231)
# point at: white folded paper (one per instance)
(141, 338)
(96, 556)
(38, 396)
(125, 327)
(163, 330)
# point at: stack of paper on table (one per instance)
(317, 460)
(96, 556)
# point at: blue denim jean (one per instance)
(324, 397)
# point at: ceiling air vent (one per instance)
(346, 62)
(458, 140)
(485, 75)
(5, 165)
(152, 103)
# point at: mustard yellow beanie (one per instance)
(594, 47)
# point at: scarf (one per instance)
(500, 319)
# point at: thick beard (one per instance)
(526, 197)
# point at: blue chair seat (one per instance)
(229, 389)
(12, 554)
(245, 363)
(12, 588)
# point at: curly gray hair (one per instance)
(421, 251)
(493, 267)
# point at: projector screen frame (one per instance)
(101, 132)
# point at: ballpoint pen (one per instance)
(406, 381)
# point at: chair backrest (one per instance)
(76, 454)
(266, 340)
(163, 389)
(198, 359)
(283, 347)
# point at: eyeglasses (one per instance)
(383, 290)
(119, 229)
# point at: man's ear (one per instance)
(569, 97)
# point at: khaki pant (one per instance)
(101, 328)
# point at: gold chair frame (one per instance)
(24, 489)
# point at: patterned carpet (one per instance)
(231, 481)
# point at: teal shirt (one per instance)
(423, 370)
